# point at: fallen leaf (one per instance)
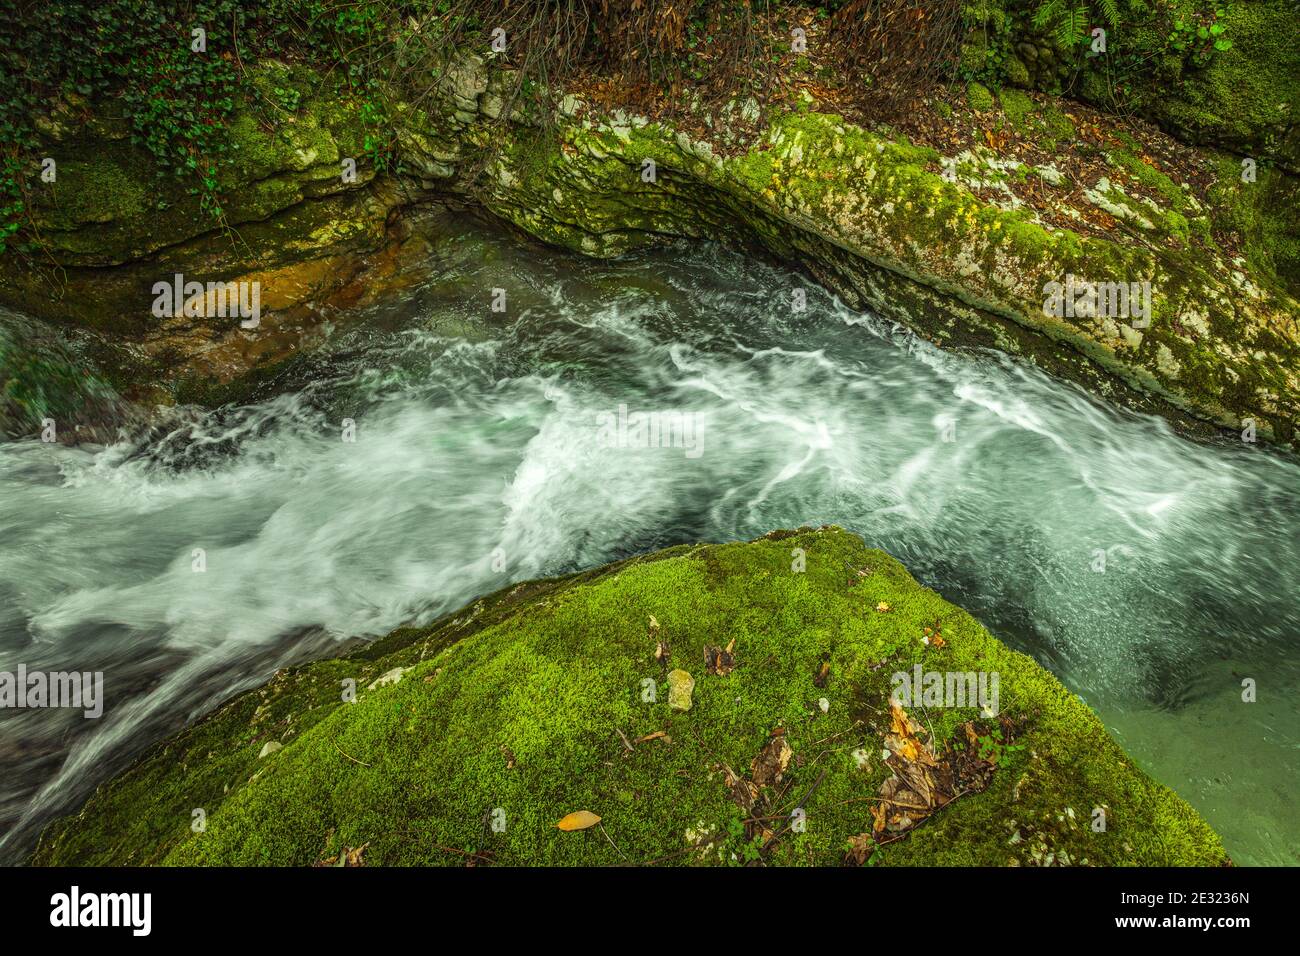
(578, 820)
(717, 661)
(922, 781)
(883, 607)
(744, 793)
(771, 762)
(860, 848)
(351, 856)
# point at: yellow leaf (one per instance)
(579, 820)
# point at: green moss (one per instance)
(1265, 214)
(1017, 107)
(1016, 71)
(519, 703)
(1128, 158)
(1175, 225)
(978, 96)
(1246, 96)
(1057, 127)
(96, 191)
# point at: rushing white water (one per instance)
(479, 458)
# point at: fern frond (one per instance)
(1047, 12)
(1070, 28)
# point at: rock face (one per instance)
(47, 388)
(877, 221)
(113, 226)
(530, 706)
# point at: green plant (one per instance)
(288, 98)
(995, 749)
(1071, 20)
(1200, 36)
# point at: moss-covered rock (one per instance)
(881, 222)
(112, 223)
(474, 737)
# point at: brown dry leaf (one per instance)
(578, 820)
(922, 781)
(717, 661)
(743, 792)
(860, 848)
(771, 762)
(883, 607)
(662, 651)
(900, 723)
(655, 736)
(823, 675)
(353, 856)
(878, 813)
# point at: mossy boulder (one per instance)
(470, 739)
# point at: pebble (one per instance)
(680, 687)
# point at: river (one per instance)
(433, 450)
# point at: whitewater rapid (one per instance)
(433, 451)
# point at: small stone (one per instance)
(824, 704)
(680, 687)
(270, 747)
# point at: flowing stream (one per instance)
(482, 455)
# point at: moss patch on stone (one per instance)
(978, 96)
(514, 710)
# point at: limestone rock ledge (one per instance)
(879, 222)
